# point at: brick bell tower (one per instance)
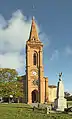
(35, 83)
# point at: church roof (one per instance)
(33, 31)
(52, 86)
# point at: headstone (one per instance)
(33, 108)
(47, 110)
(1, 100)
(60, 102)
(38, 105)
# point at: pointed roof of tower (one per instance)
(33, 31)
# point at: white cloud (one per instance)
(13, 35)
(2, 22)
(13, 60)
(55, 55)
(44, 39)
(68, 50)
(8, 59)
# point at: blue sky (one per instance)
(54, 20)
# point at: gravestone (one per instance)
(60, 102)
(47, 110)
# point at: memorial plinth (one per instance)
(60, 102)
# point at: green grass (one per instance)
(23, 111)
(70, 103)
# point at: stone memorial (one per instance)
(47, 110)
(60, 102)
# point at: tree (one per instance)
(18, 92)
(67, 94)
(9, 84)
(7, 75)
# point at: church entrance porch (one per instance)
(34, 96)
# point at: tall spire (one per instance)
(33, 31)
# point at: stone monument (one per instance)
(60, 102)
(47, 110)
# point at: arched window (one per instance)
(35, 58)
(33, 39)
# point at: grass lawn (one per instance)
(70, 103)
(23, 111)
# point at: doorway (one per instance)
(34, 96)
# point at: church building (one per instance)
(36, 88)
